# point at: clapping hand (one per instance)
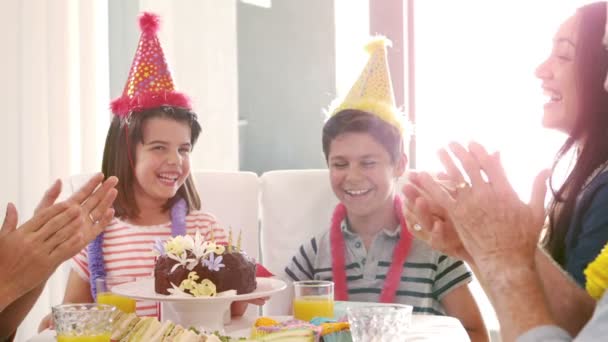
(491, 222)
(31, 253)
(429, 222)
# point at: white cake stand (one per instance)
(200, 312)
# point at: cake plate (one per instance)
(201, 312)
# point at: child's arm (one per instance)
(238, 309)
(459, 303)
(78, 290)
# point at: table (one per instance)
(424, 328)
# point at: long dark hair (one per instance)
(116, 157)
(590, 132)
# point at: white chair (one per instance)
(233, 197)
(296, 205)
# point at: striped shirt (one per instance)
(127, 249)
(427, 276)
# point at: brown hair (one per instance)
(351, 120)
(116, 157)
(591, 126)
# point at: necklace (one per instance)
(97, 268)
(338, 251)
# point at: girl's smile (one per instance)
(162, 160)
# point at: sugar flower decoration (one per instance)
(189, 282)
(189, 287)
(177, 292)
(178, 245)
(597, 275)
(213, 263)
(189, 251)
(182, 260)
(206, 288)
(214, 248)
(159, 247)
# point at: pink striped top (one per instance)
(127, 249)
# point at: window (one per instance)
(475, 63)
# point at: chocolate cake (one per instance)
(238, 274)
(229, 270)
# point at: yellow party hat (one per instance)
(373, 91)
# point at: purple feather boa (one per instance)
(179, 210)
(97, 269)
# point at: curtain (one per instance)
(54, 93)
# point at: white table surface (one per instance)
(424, 328)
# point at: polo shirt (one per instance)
(427, 277)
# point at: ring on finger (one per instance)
(93, 219)
(462, 185)
(417, 227)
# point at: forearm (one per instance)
(518, 298)
(8, 294)
(15, 313)
(478, 335)
(238, 309)
(570, 305)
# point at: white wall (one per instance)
(199, 41)
(55, 93)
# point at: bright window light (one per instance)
(475, 63)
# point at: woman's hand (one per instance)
(494, 226)
(30, 254)
(429, 222)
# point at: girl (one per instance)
(148, 148)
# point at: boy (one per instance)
(368, 252)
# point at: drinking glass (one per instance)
(313, 298)
(379, 323)
(105, 295)
(83, 322)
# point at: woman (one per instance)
(573, 77)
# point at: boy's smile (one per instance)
(362, 174)
(356, 193)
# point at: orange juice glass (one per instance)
(105, 295)
(83, 322)
(313, 298)
(96, 338)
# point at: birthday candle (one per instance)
(230, 240)
(238, 242)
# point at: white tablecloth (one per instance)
(424, 328)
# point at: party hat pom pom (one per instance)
(149, 22)
(377, 42)
(121, 106)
